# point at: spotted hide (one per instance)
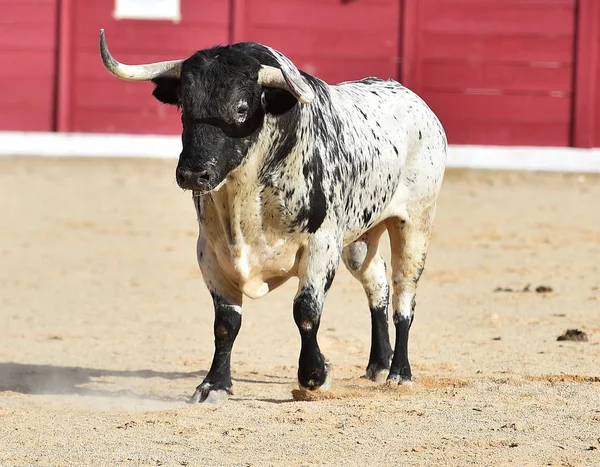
(289, 177)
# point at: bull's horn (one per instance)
(273, 77)
(145, 72)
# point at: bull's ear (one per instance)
(286, 76)
(277, 101)
(167, 90)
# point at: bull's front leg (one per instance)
(227, 301)
(216, 386)
(317, 270)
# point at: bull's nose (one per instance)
(191, 180)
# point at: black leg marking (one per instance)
(312, 369)
(228, 321)
(400, 368)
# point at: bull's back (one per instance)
(396, 146)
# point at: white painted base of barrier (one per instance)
(555, 159)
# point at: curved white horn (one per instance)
(272, 77)
(288, 78)
(144, 72)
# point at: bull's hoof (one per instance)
(210, 394)
(394, 378)
(376, 373)
(319, 382)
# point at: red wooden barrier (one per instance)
(27, 73)
(336, 40)
(586, 116)
(495, 71)
(92, 100)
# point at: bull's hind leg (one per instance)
(365, 263)
(409, 241)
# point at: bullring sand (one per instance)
(106, 328)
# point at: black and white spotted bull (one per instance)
(289, 176)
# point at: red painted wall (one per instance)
(336, 40)
(507, 72)
(595, 93)
(97, 101)
(586, 115)
(27, 54)
(495, 71)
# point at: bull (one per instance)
(291, 176)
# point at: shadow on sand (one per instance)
(62, 380)
(65, 380)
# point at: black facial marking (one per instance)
(222, 109)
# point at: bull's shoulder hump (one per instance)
(369, 82)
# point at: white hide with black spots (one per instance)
(376, 150)
(321, 184)
(291, 176)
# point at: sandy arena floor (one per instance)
(106, 329)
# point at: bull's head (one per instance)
(224, 94)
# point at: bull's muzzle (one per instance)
(202, 181)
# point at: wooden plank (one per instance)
(493, 48)
(28, 36)
(66, 62)
(586, 124)
(192, 11)
(333, 40)
(25, 91)
(139, 38)
(164, 121)
(497, 108)
(26, 14)
(596, 115)
(500, 18)
(35, 119)
(496, 71)
(500, 76)
(38, 63)
(29, 3)
(345, 44)
(204, 23)
(100, 102)
(238, 28)
(411, 33)
(28, 46)
(542, 4)
(325, 16)
(103, 94)
(508, 133)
